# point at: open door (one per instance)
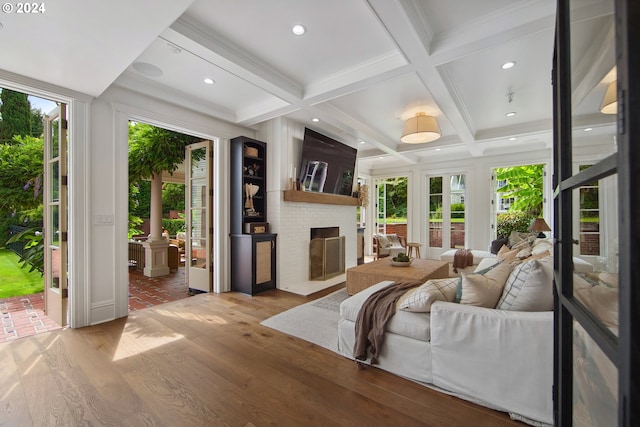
(55, 214)
(199, 218)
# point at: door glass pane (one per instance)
(198, 194)
(55, 226)
(457, 211)
(593, 72)
(435, 212)
(54, 191)
(595, 262)
(54, 238)
(55, 144)
(198, 163)
(595, 383)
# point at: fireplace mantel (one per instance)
(322, 198)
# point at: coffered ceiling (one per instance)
(361, 68)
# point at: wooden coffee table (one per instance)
(365, 275)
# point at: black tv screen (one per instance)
(327, 166)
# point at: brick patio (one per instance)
(23, 316)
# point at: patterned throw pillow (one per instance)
(506, 254)
(420, 299)
(516, 237)
(529, 287)
(484, 290)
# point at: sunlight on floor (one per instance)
(135, 340)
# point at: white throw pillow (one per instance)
(383, 241)
(529, 287)
(485, 263)
(484, 290)
(420, 299)
(542, 247)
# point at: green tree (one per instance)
(37, 125)
(525, 185)
(16, 115)
(153, 150)
(173, 196)
(21, 167)
(396, 197)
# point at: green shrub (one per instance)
(510, 221)
(173, 226)
(33, 253)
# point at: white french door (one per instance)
(55, 214)
(199, 218)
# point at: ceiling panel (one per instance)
(340, 34)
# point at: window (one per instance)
(446, 211)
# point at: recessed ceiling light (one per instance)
(588, 129)
(513, 138)
(380, 158)
(510, 114)
(315, 119)
(438, 149)
(509, 64)
(362, 142)
(209, 81)
(298, 29)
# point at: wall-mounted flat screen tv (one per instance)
(327, 166)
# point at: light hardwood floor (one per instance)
(207, 361)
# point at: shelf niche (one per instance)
(320, 198)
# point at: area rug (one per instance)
(315, 321)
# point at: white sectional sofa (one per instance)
(495, 357)
(579, 265)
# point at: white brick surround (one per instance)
(293, 221)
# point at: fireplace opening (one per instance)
(326, 253)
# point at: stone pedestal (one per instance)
(156, 258)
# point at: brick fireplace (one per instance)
(293, 222)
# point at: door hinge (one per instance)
(621, 111)
(211, 192)
(63, 180)
(64, 293)
(63, 236)
(64, 124)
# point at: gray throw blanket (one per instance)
(373, 317)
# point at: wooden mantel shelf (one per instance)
(322, 198)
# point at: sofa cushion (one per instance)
(529, 287)
(420, 299)
(412, 325)
(478, 270)
(484, 290)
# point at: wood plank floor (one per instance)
(207, 361)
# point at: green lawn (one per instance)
(15, 280)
